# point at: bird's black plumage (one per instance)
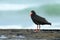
(38, 19)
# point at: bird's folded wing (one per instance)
(40, 19)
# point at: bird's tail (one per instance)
(49, 23)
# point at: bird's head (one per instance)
(32, 12)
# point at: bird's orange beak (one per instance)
(30, 14)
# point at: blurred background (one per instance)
(15, 14)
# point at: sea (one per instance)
(15, 14)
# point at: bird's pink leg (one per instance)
(36, 30)
(39, 27)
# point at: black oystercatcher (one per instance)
(38, 20)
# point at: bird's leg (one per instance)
(39, 27)
(36, 30)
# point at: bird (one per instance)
(38, 20)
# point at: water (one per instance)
(16, 13)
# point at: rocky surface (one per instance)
(30, 33)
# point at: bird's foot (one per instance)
(36, 30)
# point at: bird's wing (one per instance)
(40, 19)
